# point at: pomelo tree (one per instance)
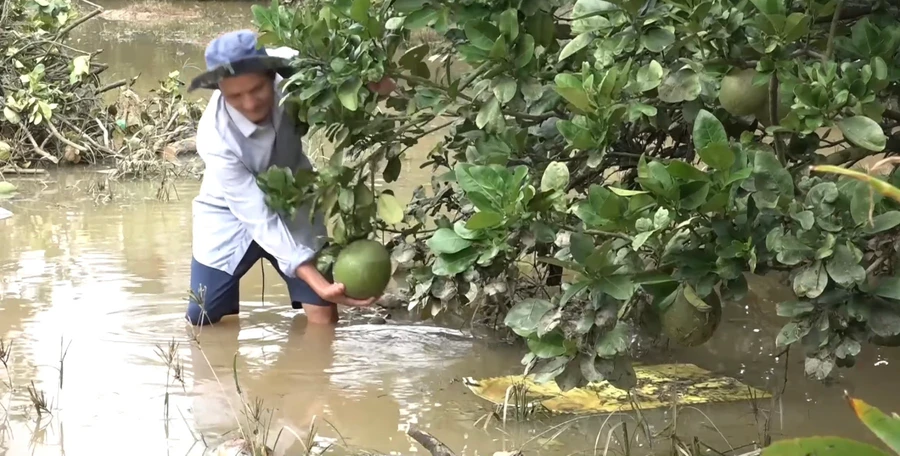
(613, 167)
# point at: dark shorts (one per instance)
(222, 290)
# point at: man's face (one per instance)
(252, 95)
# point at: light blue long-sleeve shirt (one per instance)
(230, 212)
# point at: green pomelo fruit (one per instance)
(739, 96)
(689, 326)
(364, 267)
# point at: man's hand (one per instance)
(335, 293)
(331, 292)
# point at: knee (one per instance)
(198, 316)
(209, 313)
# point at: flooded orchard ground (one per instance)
(99, 272)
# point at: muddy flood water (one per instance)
(95, 274)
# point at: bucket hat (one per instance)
(233, 54)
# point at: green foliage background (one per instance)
(588, 141)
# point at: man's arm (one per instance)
(247, 202)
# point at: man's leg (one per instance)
(318, 311)
(218, 290)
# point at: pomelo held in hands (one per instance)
(364, 267)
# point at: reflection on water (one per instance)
(108, 281)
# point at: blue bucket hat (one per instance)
(236, 53)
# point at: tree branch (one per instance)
(829, 48)
(433, 445)
(773, 113)
(433, 85)
(849, 155)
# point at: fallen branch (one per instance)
(432, 444)
(23, 171)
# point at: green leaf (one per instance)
(509, 23)
(484, 220)
(572, 291)
(582, 246)
(7, 188)
(679, 86)
(619, 286)
(708, 130)
(482, 34)
(693, 194)
(717, 155)
(394, 23)
(657, 39)
(523, 318)
(811, 280)
(883, 222)
(888, 287)
(805, 218)
(685, 171)
(504, 88)
(549, 346)
(389, 209)
(348, 93)
(359, 11)
(524, 50)
(451, 264)
(578, 136)
(863, 132)
(790, 333)
(392, 169)
(886, 428)
(421, 18)
(570, 87)
(488, 113)
(821, 446)
(614, 342)
(844, 267)
(649, 76)
(556, 177)
(445, 240)
(577, 44)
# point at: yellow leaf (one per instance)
(389, 209)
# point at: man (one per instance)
(242, 132)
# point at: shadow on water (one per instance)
(104, 267)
